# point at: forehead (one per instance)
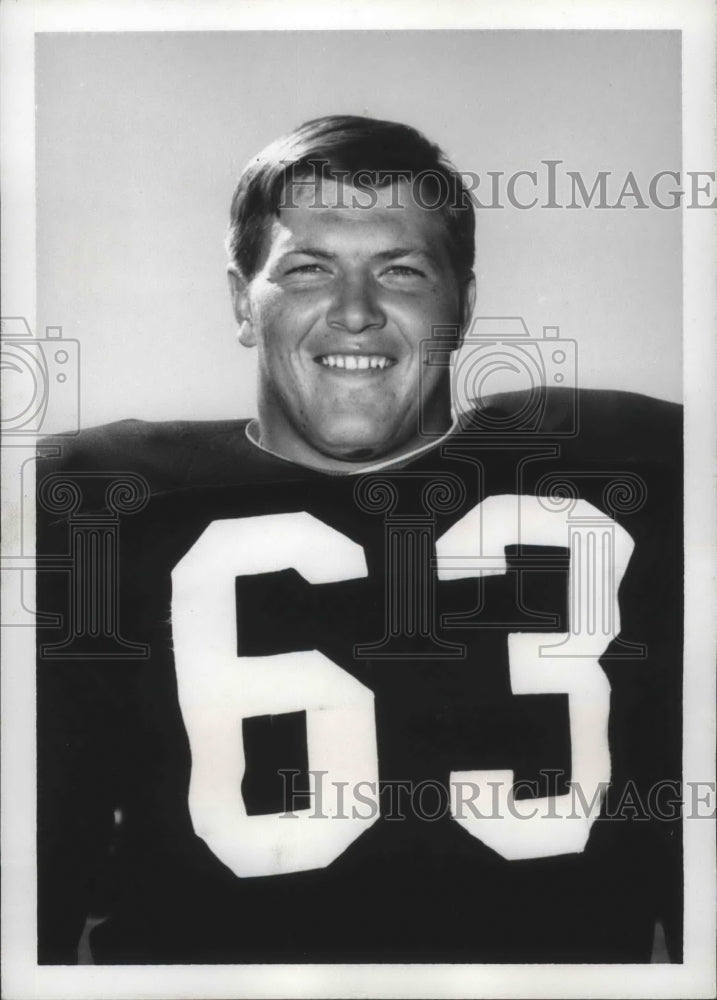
(340, 216)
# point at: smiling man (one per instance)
(362, 680)
(343, 288)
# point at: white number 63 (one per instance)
(218, 689)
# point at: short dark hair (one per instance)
(355, 148)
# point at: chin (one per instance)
(356, 444)
(353, 451)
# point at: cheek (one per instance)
(281, 325)
(418, 316)
(445, 303)
(442, 312)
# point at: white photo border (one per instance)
(22, 977)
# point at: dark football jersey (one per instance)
(430, 712)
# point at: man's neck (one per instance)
(301, 453)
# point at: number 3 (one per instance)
(599, 553)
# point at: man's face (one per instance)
(338, 308)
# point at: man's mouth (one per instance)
(355, 362)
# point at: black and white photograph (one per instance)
(358, 500)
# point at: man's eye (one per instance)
(402, 270)
(306, 269)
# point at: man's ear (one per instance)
(468, 301)
(239, 290)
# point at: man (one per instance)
(340, 300)
(358, 681)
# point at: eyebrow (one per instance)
(397, 252)
(309, 252)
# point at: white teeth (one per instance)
(353, 362)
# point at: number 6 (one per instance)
(217, 689)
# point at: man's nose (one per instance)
(355, 306)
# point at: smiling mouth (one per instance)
(355, 362)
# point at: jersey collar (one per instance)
(254, 437)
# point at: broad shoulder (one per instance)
(602, 423)
(167, 454)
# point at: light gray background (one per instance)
(140, 139)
